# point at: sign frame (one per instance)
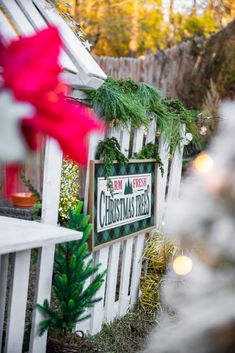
(91, 205)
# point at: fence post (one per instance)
(50, 204)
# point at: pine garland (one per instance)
(109, 151)
(150, 151)
(118, 104)
(126, 103)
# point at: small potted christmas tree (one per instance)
(71, 298)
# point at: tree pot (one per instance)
(23, 199)
(65, 344)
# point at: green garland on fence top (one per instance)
(150, 151)
(109, 150)
(127, 103)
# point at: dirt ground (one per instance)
(128, 335)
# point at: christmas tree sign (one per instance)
(129, 207)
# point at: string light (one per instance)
(182, 265)
(203, 163)
(203, 130)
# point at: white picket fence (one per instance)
(123, 260)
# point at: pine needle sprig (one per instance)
(150, 151)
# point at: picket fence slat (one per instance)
(3, 290)
(176, 171)
(50, 204)
(111, 281)
(97, 313)
(136, 267)
(84, 325)
(114, 132)
(93, 142)
(151, 133)
(125, 141)
(126, 257)
(162, 181)
(138, 139)
(139, 240)
(124, 299)
(17, 302)
(42, 291)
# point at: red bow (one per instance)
(31, 71)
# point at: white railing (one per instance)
(123, 259)
(18, 237)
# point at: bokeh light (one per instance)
(182, 265)
(203, 163)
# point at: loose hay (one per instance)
(157, 254)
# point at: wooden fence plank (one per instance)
(111, 281)
(176, 171)
(126, 260)
(124, 299)
(50, 203)
(93, 142)
(17, 303)
(138, 139)
(151, 133)
(139, 240)
(3, 291)
(97, 313)
(85, 324)
(125, 141)
(162, 181)
(136, 267)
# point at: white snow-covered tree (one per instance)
(200, 314)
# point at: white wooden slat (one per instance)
(125, 141)
(85, 324)
(162, 181)
(111, 281)
(17, 16)
(51, 182)
(30, 235)
(136, 268)
(97, 313)
(151, 134)
(93, 142)
(125, 277)
(176, 171)
(42, 292)
(7, 31)
(113, 132)
(138, 139)
(82, 57)
(3, 291)
(124, 298)
(37, 21)
(139, 240)
(50, 203)
(17, 303)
